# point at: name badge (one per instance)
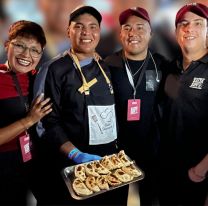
(133, 112)
(25, 147)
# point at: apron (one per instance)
(100, 122)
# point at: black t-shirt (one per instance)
(141, 134)
(185, 110)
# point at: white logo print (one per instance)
(197, 83)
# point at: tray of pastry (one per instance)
(96, 177)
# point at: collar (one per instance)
(203, 60)
(85, 62)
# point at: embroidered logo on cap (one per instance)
(191, 4)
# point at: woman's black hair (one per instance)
(27, 29)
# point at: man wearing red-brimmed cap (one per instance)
(185, 119)
(136, 75)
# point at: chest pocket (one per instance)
(152, 80)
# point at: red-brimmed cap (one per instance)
(135, 11)
(196, 8)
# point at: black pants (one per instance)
(180, 190)
(14, 184)
(148, 187)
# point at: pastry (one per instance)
(112, 180)
(102, 182)
(116, 161)
(80, 188)
(122, 176)
(131, 170)
(124, 159)
(79, 172)
(92, 184)
(90, 170)
(106, 162)
(100, 169)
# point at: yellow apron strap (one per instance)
(89, 84)
(106, 77)
(85, 85)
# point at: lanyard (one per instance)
(130, 77)
(86, 85)
(19, 90)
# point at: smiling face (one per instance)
(191, 34)
(20, 53)
(84, 34)
(135, 36)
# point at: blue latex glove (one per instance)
(81, 157)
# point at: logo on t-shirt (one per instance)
(197, 83)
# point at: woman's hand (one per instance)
(38, 110)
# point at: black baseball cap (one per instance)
(83, 10)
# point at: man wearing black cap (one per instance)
(83, 125)
(184, 142)
(136, 75)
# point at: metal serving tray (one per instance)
(68, 176)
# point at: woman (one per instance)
(26, 41)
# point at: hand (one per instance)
(81, 157)
(39, 109)
(195, 177)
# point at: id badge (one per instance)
(133, 112)
(25, 147)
